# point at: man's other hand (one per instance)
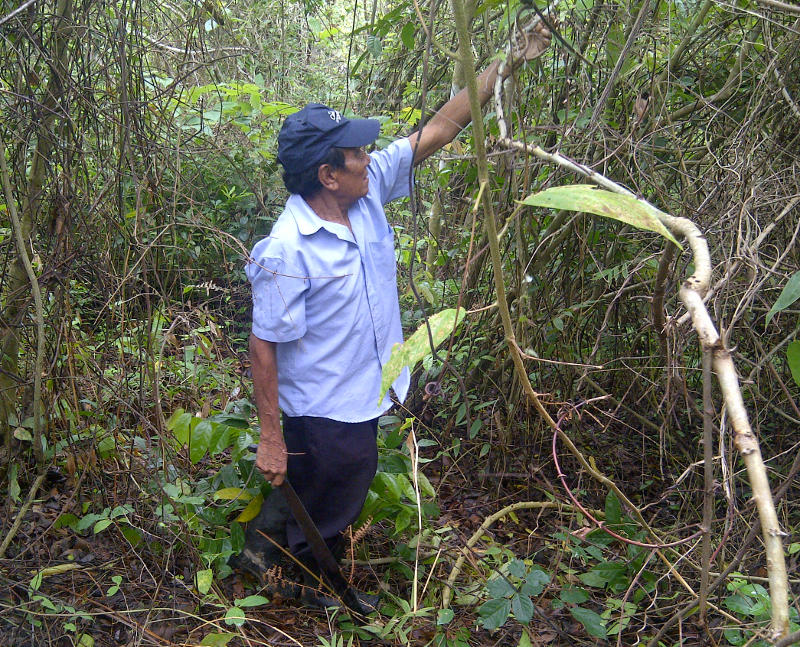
(271, 462)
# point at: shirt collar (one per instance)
(308, 222)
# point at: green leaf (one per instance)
(494, 613)
(216, 640)
(524, 640)
(789, 294)
(407, 35)
(66, 520)
(87, 521)
(237, 537)
(613, 509)
(417, 346)
(586, 197)
(235, 617)
(84, 640)
(180, 425)
(535, 581)
(402, 521)
(500, 587)
(591, 621)
(522, 606)
(101, 525)
(201, 438)
(251, 601)
(203, 579)
(516, 567)
(606, 574)
(374, 46)
(573, 596)
(793, 359)
(20, 433)
(740, 604)
(444, 616)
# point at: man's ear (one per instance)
(327, 177)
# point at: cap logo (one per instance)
(335, 115)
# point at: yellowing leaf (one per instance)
(586, 197)
(231, 493)
(204, 579)
(58, 570)
(417, 346)
(252, 509)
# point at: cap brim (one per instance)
(358, 132)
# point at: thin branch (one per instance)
(19, 9)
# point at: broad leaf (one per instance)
(20, 433)
(444, 616)
(231, 493)
(516, 567)
(586, 197)
(252, 509)
(252, 601)
(407, 35)
(793, 359)
(101, 525)
(180, 424)
(535, 581)
(606, 574)
(235, 616)
(789, 294)
(203, 579)
(417, 346)
(201, 437)
(499, 587)
(613, 509)
(522, 606)
(590, 620)
(494, 613)
(216, 640)
(573, 596)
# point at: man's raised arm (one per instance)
(455, 114)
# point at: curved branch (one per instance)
(691, 293)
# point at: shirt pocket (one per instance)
(382, 257)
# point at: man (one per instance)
(325, 306)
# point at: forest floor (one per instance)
(89, 589)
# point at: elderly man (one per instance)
(325, 305)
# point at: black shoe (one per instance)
(256, 562)
(268, 572)
(355, 600)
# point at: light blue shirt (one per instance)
(328, 298)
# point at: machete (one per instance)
(319, 549)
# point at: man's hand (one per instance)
(532, 44)
(271, 461)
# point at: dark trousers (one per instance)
(331, 466)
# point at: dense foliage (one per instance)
(138, 143)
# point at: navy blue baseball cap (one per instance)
(307, 135)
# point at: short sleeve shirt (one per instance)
(328, 298)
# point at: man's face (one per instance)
(353, 178)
